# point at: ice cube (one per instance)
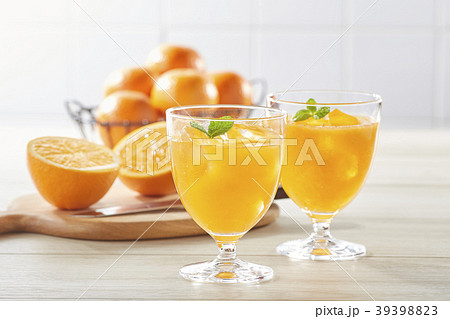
(253, 133)
(338, 118)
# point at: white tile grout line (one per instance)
(259, 39)
(72, 54)
(328, 48)
(164, 21)
(438, 109)
(124, 51)
(68, 52)
(305, 29)
(254, 49)
(347, 16)
(337, 40)
(251, 47)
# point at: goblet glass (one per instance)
(226, 163)
(329, 146)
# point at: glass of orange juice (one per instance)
(329, 146)
(226, 165)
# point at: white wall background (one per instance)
(51, 50)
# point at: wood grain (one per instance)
(31, 214)
(155, 277)
(370, 216)
(401, 215)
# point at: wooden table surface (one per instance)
(402, 216)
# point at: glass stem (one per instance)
(321, 229)
(227, 251)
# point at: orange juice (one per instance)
(222, 182)
(337, 153)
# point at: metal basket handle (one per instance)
(82, 115)
(261, 85)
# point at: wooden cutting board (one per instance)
(32, 214)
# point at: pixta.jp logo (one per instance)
(146, 151)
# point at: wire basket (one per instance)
(84, 116)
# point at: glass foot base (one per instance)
(321, 249)
(217, 271)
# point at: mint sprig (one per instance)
(311, 111)
(302, 115)
(311, 105)
(322, 112)
(215, 128)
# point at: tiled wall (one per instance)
(51, 50)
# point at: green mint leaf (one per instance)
(217, 128)
(322, 112)
(302, 115)
(199, 127)
(311, 110)
(311, 105)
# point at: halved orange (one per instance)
(71, 173)
(144, 158)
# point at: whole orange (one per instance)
(168, 57)
(182, 87)
(122, 112)
(134, 79)
(232, 88)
